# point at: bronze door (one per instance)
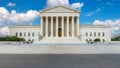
(59, 32)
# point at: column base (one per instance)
(60, 40)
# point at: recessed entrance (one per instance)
(59, 32)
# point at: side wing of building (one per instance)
(29, 33)
(89, 33)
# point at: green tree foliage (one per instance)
(116, 38)
(11, 38)
(97, 40)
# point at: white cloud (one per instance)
(51, 3)
(12, 18)
(114, 24)
(91, 13)
(3, 16)
(4, 30)
(109, 4)
(10, 4)
(23, 17)
(77, 5)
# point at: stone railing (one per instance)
(10, 42)
(115, 42)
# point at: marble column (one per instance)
(67, 26)
(51, 27)
(62, 26)
(46, 26)
(56, 26)
(73, 28)
(77, 26)
(41, 26)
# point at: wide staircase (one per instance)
(60, 40)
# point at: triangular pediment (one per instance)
(59, 9)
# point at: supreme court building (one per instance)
(61, 24)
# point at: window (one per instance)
(29, 40)
(16, 34)
(20, 34)
(86, 40)
(86, 34)
(103, 34)
(28, 34)
(90, 33)
(103, 40)
(24, 34)
(98, 34)
(32, 34)
(94, 34)
(32, 39)
(90, 40)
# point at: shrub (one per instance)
(11, 38)
(116, 38)
(97, 40)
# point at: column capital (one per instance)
(78, 16)
(56, 16)
(67, 16)
(47, 16)
(72, 16)
(52, 16)
(62, 16)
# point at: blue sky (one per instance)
(92, 11)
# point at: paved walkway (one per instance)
(60, 49)
(60, 61)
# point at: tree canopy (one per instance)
(11, 38)
(116, 38)
(97, 40)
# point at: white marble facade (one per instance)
(61, 24)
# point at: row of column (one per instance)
(62, 26)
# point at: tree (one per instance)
(22, 39)
(116, 38)
(97, 40)
(11, 38)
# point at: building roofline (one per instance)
(25, 26)
(94, 26)
(82, 26)
(59, 6)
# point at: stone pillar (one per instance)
(67, 26)
(56, 26)
(41, 26)
(78, 27)
(46, 26)
(62, 26)
(51, 27)
(73, 28)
